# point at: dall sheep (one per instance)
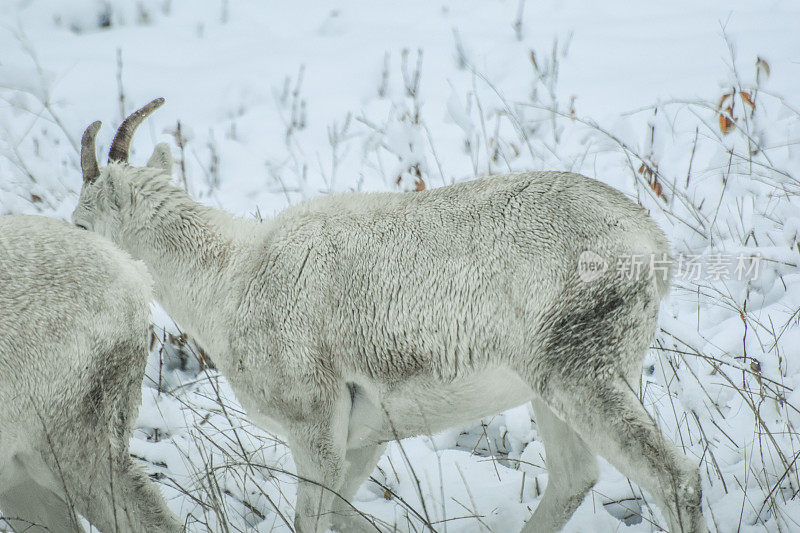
(351, 320)
(74, 313)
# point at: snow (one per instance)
(282, 102)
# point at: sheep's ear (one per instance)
(161, 158)
(120, 194)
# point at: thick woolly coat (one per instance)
(74, 316)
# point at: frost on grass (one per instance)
(703, 131)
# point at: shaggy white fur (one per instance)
(354, 319)
(74, 313)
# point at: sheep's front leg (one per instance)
(360, 464)
(317, 441)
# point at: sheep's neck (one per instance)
(189, 250)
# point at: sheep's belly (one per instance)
(429, 406)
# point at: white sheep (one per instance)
(354, 319)
(74, 312)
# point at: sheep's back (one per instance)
(445, 278)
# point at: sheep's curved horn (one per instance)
(118, 153)
(88, 155)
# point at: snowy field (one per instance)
(691, 108)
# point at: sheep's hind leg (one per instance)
(571, 472)
(612, 421)
(136, 505)
(117, 494)
(29, 507)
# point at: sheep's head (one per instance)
(107, 191)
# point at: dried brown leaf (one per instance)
(658, 189)
(725, 123)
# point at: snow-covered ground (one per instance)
(272, 103)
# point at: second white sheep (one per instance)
(74, 315)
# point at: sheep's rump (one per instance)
(70, 304)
